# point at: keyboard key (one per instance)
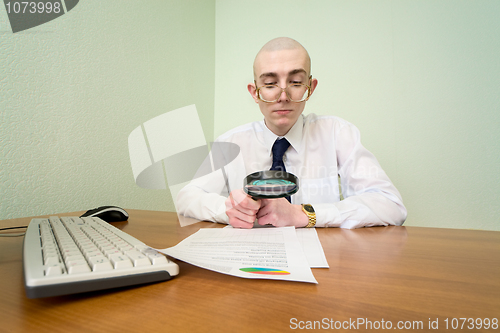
(53, 270)
(49, 261)
(155, 257)
(100, 264)
(120, 261)
(112, 251)
(93, 253)
(126, 247)
(78, 267)
(138, 258)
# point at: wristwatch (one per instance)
(309, 210)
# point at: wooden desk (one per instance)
(408, 274)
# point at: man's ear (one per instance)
(252, 89)
(314, 83)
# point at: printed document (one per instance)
(308, 238)
(262, 253)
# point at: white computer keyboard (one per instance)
(70, 255)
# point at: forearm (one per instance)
(365, 210)
(196, 203)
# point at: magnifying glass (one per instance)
(270, 184)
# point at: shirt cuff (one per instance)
(327, 215)
(221, 215)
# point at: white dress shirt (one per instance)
(322, 149)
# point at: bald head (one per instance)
(281, 44)
(285, 64)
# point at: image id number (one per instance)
(471, 323)
(26, 7)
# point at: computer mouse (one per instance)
(108, 213)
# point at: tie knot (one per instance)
(279, 148)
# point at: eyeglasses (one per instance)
(296, 92)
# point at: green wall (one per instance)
(74, 88)
(421, 80)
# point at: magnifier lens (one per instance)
(271, 184)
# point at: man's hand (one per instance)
(241, 209)
(280, 213)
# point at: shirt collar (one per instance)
(294, 135)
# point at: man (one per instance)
(319, 150)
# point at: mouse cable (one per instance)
(12, 235)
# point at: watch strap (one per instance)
(311, 214)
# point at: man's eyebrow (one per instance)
(270, 74)
(292, 72)
(297, 71)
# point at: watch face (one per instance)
(309, 208)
